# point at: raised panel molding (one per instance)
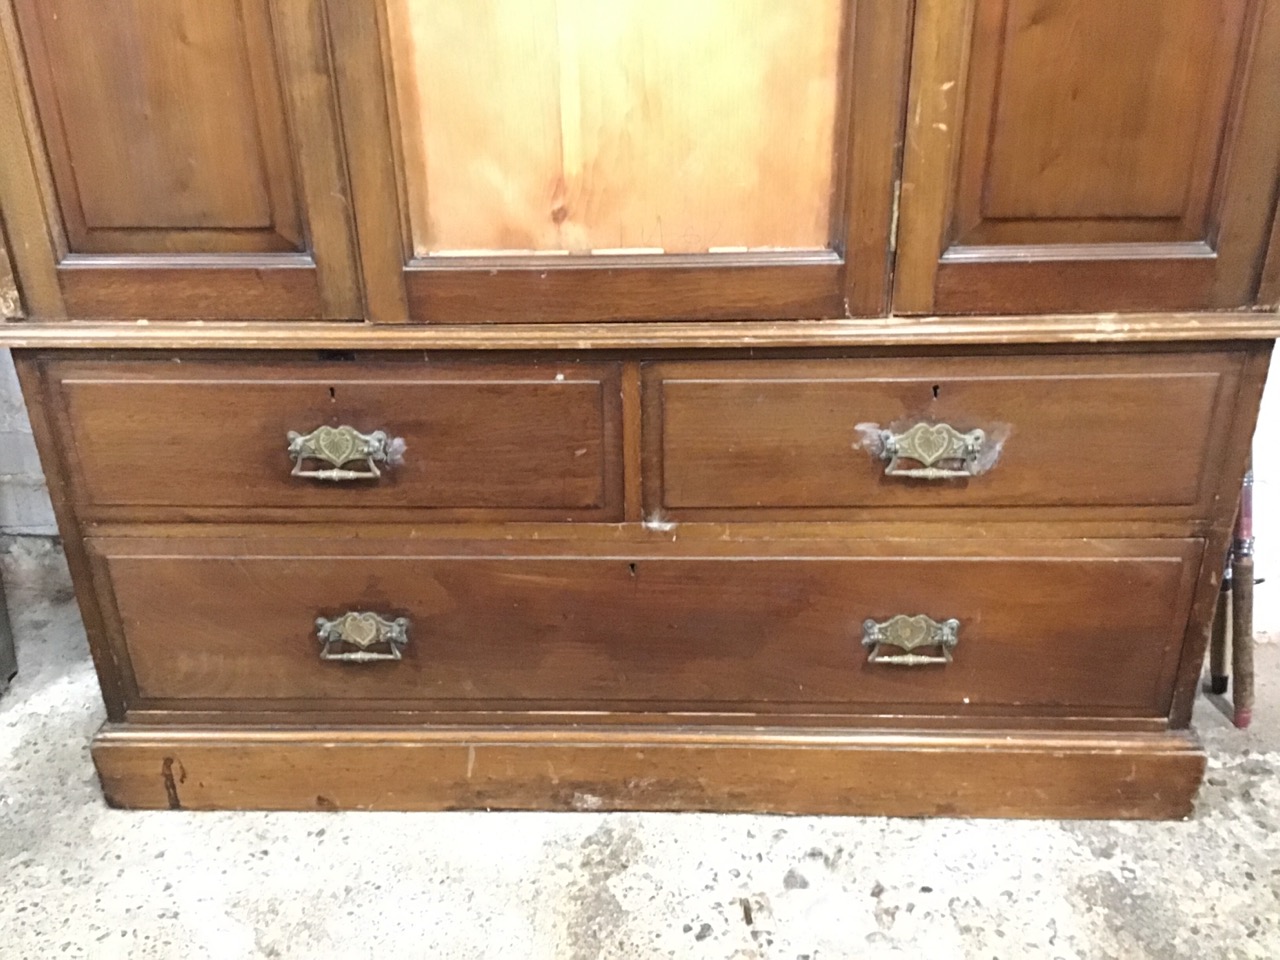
(1087, 155)
(180, 148)
(175, 160)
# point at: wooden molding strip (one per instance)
(896, 332)
(973, 774)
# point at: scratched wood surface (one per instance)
(599, 125)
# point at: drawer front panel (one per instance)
(483, 437)
(1085, 431)
(685, 626)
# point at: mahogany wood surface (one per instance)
(187, 160)
(579, 625)
(527, 439)
(734, 439)
(1269, 287)
(1162, 331)
(956, 774)
(637, 556)
(1090, 155)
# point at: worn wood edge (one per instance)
(916, 331)
(25, 190)
(1269, 285)
(35, 391)
(960, 774)
(1231, 470)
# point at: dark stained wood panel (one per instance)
(737, 439)
(1086, 155)
(911, 775)
(164, 123)
(1101, 109)
(496, 439)
(566, 624)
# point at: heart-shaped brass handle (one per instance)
(907, 635)
(338, 446)
(353, 637)
(932, 451)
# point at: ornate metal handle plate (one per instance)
(362, 637)
(338, 446)
(930, 445)
(910, 634)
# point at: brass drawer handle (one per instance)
(352, 637)
(931, 444)
(338, 446)
(909, 634)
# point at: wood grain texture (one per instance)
(569, 626)
(889, 332)
(363, 88)
(34, 239)
(935, 102)
(111, 672)
(1129, 154)
(957, 775)
(303, 40)
(164, 124)
(1269, 284)
(499, 441)
(725, 284)
(1231, 474)
(1050, 169)
(713, 287)
(269, 287)
(576, 125)
(872, 141)
(735, 440)
(209, 218)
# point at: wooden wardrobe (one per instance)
(830, 406)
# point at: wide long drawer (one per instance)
(507, 439)
(731, 439)
(1025, 625)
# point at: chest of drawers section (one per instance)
(631, 546)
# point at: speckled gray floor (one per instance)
(79, 880)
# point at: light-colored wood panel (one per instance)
(586, 125)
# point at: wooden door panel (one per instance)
(131, 148)
(1082, 155)
(188, 150)
(529, 125)
(531, 161)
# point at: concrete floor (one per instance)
(80, 880)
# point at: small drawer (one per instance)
(762, 627)
(480, 439)
(830, 438)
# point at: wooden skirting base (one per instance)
(979, 774)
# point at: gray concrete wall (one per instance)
(24, 499)
(25, 509)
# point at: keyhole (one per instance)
(936, 390)
(632, 568)
(333, 394)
